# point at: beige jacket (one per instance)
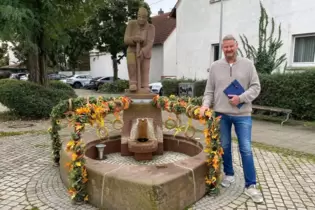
(221, 75)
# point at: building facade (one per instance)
(198, 27)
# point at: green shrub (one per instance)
(292, 91)
(200, 87)
(31, 100)
(119, 86)
(4, 74)
(170, 86)
(60, 86)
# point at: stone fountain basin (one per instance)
(175, 185)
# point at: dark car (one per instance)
(104, 80)
(92, 84)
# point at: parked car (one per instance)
(79, 80)
(57, 76)
(17, 75)
(92, 84)
(104, 80)
(157, 88)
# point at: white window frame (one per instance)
(300, 64)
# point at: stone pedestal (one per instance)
(141, 107)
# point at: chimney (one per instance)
(161, 12)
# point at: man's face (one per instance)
(229, 48)
(142, 18)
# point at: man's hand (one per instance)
(234, 100)
(203, 109)
(138, 39)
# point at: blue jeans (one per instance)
(243, 130)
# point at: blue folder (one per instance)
(235, 88)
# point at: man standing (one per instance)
(221, 74)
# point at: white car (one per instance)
(79, 80)
(156, 87)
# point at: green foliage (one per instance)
(60, 86)
(40, 26)
(265, 57)
(200, 87)
(170, 86)
(4, 57)
(119, 86)
(109, 25)
(292, 91)
(31, 100)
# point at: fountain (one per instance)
(172, 184)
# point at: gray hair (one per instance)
(229, 37)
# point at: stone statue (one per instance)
(139, 36)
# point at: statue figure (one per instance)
(139, 36)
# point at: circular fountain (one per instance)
(162, 172)
(126, 184)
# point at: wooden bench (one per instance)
(275, 109)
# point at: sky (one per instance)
(156, 5)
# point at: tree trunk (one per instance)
(32, 66)
(42, 60)
(115, 66)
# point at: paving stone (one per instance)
(28, 179)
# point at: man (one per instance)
(221, 74)
(139, 32)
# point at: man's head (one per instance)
(142, 16)
(229, 46)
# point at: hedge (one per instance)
(31, 100)
(291, 91)
(118, 86)
(170, 86)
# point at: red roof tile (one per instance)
(164, 26)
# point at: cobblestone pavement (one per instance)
(28, 179)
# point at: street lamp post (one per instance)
(220, 36)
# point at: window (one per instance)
(215, 52)
(304, 49)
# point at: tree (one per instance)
(265, 57)
(110, 22)
(4, 57)
(37, 25)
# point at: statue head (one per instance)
(142, 16)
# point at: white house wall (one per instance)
(156, 69)
(169, 55)
(101, 65)
(198, 28)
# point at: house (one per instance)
(198, 30)
(163, 61)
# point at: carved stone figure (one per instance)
(139, 36)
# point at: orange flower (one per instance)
(82, 110)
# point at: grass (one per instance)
(282, 151)
(18, 133)
(8, 116)
(278, 120)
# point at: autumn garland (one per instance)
(89, 112)
(213, 147)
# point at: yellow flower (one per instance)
(74, 157)
(78, 164)
(197, 112)
(207, 150)
(86, 198)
